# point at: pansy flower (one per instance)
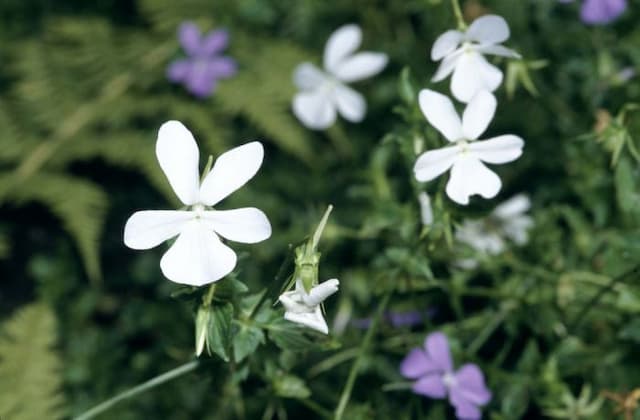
(198, 256)
(507, 221)
(304, 307)
(462, 53)
(204, 65)
(323, 93)
(466, 155)
(432, 369)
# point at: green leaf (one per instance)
(30, 369)
(246, 341)
(220, 331)
(288, 336)
(515, 400)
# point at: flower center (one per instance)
(449, 380)
(198, 209)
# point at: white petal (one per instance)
(514, 206)
(248, 225)
(314, 109)
(360, 66)
(292, 302)
(474, 73)
(488, 29)
(439, 111)
(342, 42)
(313, 320)
(146, 229)
(320, 292)
(469, 176)
(197, 257)
(307, 76)
(445, 44)
(350, 103)
(231, 171)
(426, 212)
(478, 114)
(433, 163)
(179, 158)
(498, 50)
(501, 149)
(447, 66)
(475, 234)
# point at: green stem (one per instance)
(486, 332)
(457, 11)
(143, 387)
(317, 408)
(635, 271)
(353, 373)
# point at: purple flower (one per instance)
(200, 71)
(602, 11)
(432, 368)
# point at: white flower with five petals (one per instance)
(304, 308)
(198, 256)
(462, 54)
(324, 92)
(465, 157)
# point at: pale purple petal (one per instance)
(465, 410)
(214, 42)
(189, 36)
(417, 364)
(178, 71)
(404, 319)
(431, 386)
(602, 11)
(223, 67)
(470, 382)
(437, 347)
(201, 80)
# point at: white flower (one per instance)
(426, 212)
(506, 221)
(198, 256)
(465, 157)
(322, 92)
(462, 54)
(304, 308)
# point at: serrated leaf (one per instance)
(220, 331)
(246, 341)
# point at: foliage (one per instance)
(30, 366)
(554, 324)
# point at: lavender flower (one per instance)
(432, 368)
(204, 65)
(600, 12)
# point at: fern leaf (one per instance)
(30, 378)
(80, 205)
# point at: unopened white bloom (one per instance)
(507, 221)
(305, 308)
(324, 92)
(465, 157)
(462, 54)
(198, 256)
(426, 212)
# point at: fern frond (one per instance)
(30, 379)
(80, 205)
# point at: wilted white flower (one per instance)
(305, 308)
(462, 54)
(198, 256)
(465, 157)
(426, 212)
(324, 92)
(507, 221)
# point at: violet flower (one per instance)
(432, 368)
(204, 65)
(600, 12)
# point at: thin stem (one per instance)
(143, 387)
(486, 332)
(317, 408)
(353, 373)
(635, 271)
(457, 11)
